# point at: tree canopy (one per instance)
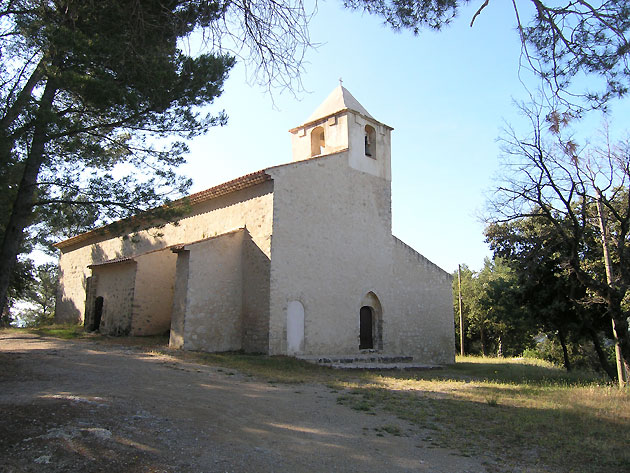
(557, 304)
(579, 196)
(37, 300)
(84, 85)
(496, 319)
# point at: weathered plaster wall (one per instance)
(214, 296)
(115, 284)
(255, 270)
(180, 299)
(331, 246)
(153, 297)
(206, 297)
(251, 207)
(420, 321)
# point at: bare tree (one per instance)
(271, 37)
(579, 190)
(560, 39)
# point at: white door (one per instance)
(295, 328)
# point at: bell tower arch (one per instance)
(341, 124)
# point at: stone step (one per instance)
(368, 361)
(382, 366)
(361, 358)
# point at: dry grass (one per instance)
(522, 415)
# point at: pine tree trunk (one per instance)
(565, 352)
(22, 210)
(603, 359)
(11, 114)
(622, 342)
(619, 321)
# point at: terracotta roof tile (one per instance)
(237, 184)
(113, 261)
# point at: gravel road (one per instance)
(82, 406)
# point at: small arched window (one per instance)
(370, 141)
(318, 141)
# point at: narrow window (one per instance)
(370, 141)
(318, 141)
(98, 313)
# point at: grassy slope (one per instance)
(525, 415)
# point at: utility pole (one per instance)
(461, 315)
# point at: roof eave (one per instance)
(337, 113)
(240, 183)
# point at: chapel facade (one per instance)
(296, 259)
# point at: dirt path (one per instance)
(81, 406)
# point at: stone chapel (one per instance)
(296, 259)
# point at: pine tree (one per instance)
(84, 84)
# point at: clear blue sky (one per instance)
(447, 95)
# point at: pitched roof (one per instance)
(339, 99)
(127, 259)
(243, 182)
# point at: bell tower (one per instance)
(342, 124)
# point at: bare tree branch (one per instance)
(478, 12)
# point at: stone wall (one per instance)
(331, 247)
(221, 299)
(421, 315)
(213, 315)
(115, 284)
(180, 299)
(251, 207)
(333, 250)
(255, 270)
(153, 296)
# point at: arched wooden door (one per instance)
(366, 324)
